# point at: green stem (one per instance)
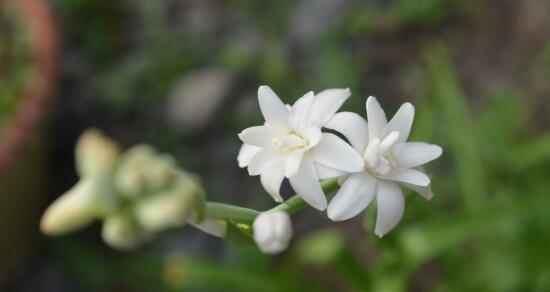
(229, 212)
(246, 215)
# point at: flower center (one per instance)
(291, 142)
(379, 159)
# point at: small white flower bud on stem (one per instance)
(272, 231)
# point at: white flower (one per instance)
(272, 231)
(389, 159)
(290, 143)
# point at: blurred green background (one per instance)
(182, 75)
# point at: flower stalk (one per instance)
(294, 204)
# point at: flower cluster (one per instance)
(140, 192)
(292, 145)
(136, 193)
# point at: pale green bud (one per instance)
(142, 170)
(121, 231)
(96, 155)
(164, 210)
(172, 208)
(161, 172)
(73, 210)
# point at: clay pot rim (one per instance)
(32, 109)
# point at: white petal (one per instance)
(261, 136)
(314, 135)
(335, 153)
(326, 103)
(401, 122)
(271, 181)
(306, 184)
(246, 153)
(325, 172)
(376, 118)
(353, 127)
(391, 205)
(425, 192)
(292, 163)
(413, 154)
(273, 109)
(353, 197)
(299, 119)
(410, 176)
(264, 160)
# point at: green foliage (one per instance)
(485, 229)
(460, 133)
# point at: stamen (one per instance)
(371, 153)
(388, 142)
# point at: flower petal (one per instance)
(353, 197)
(335, 153)
(401, 122)
(391, 205)
(292, 163)
(314, 136)
(306, 184)
(325, 172)
(264, 160)
(326, 103)
(299, 118)
(425, 192)
(261, 136)
(273, 109)
(376, 118)
(246, 153)
(413, 154)
(271, 180)
(353, 127)
(410, 176)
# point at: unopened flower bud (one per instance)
(95, 154)
(122, 232)
(272, 231)
(73, 210)
(161, 172)
(130, 175)
(171, 208)
(143, 170)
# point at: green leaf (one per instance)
(460, 132)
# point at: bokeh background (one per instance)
(182, 75)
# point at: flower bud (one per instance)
(171, 208)
(130, 176)
(73, 210)
(142, 170)
(95, 154)
(122, 232)
(272, 231)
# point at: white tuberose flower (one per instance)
(272, 231)
(389, 160)
(291, 142)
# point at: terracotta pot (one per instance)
(21, 167)
(31, 109)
